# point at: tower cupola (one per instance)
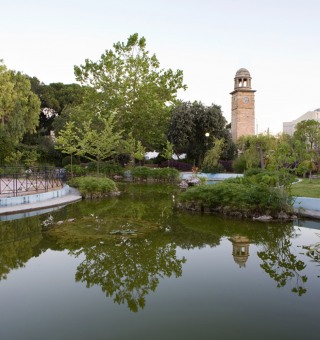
(242, 79)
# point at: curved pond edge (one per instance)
(15, 205)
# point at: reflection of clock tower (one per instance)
(242, 118)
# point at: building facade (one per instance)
(242, 106)
(289, 127)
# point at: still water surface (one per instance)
(133, 267)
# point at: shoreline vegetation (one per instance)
(261, 195)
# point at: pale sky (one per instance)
(278, 41)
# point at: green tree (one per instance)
(55, 98)
(308, 131)
(68, 142)
(254, 149)
(213, 155)
(168, 151)
(128, 81)
(99, 140)
(307, 141)
(139, 152)
(19, 109)
(189, 124)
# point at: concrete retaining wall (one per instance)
(11, 201)
(307, 203)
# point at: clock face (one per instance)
(245, 100)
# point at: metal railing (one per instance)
(18, 181)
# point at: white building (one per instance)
(289, 127)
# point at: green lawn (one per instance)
(307, 188)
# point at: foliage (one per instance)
(212, 156)
(189, 124)
(100, 142)
(128, 81)
(93, 187)
(181, 166)
(227, 165)
(76, 170)
(168, 151)
(68, 142)
(55, 98)
(307, 134)
(214, 169)
(308, 131)
(240, 195)
(139, 152)
(253, 149)
(239, 165)
(157, 174)
(109, 169)
(27, 158)
(19, 109)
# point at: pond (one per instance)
(134, 267)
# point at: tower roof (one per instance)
(243, 73)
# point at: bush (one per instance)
(239, 165)
(77, 170)
(93, 187)
(227, 165)
(219, 168)
(250, 199)
(157, 174)
(181, 166)
(109, 169)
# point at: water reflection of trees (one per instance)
(129, 271)
(313, 252)
(17, 242)
(283, 266)
(278, 261)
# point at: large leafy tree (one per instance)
(254, 149)
(129, 82)
(193, 127)
(308, 131)
(55, 98)
(307, 137)
(19, 109)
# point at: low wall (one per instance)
(213, 177)
(12, 201)
(307, 203)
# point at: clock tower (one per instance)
(242, 106)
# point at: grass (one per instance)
(307, 188)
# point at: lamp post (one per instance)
(207, 134)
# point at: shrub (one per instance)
(77, 170)
(67, 160)
(227, 164)
(219, 168)
(181, 166)
(239, 165)
(238, 195)
(109, 169)
(92, 187)
(157, 174)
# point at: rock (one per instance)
(283, 216)
(236, 214)
(263, 218)
(117, 177)
(183, 185)
(60, 222)
(71, 220)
